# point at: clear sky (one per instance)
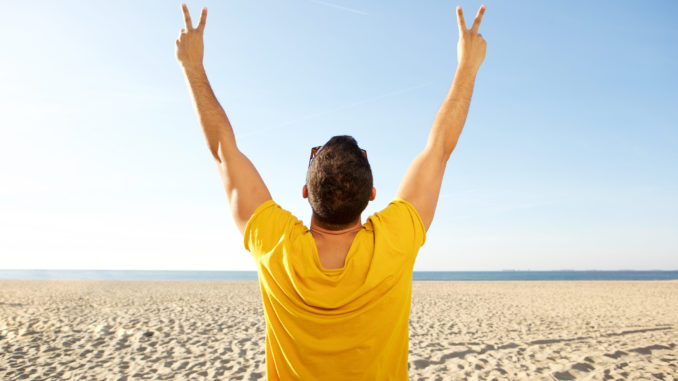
(568, 160)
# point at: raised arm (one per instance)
(244, 187)
(421, 185)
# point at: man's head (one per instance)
(339, 183)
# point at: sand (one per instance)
(458, 330)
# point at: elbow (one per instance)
(448, 153)
(216, 149)
(449, 147)
(445, 155)
(441, 144)
(222, 152)
(441, 152)
(218, 157)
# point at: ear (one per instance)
(374, 194)
(304, 191)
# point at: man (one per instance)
(336, 296)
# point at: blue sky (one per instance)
(568, 159)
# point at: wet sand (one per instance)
(108, 330)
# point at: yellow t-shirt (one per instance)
(336, 324)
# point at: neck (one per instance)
(323, 227)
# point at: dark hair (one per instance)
(339, 182)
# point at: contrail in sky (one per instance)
(339, 7)
(341, 107)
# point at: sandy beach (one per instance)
(107, 330)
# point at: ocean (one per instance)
(129, 275)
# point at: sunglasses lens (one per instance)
(314, 151)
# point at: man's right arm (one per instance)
(244, 187)
(423, 179)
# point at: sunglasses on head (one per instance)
(316, 149)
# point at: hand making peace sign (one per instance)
(471, 46)
(190, 46)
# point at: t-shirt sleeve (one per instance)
(267, 226)
(401, 221)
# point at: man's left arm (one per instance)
(244, 186)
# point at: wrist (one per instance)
(192, 68)
(467, 68)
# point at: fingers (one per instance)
(203, 18)
(460, 20)
(479, 18)
(187, 17)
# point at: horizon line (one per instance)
(503, 270)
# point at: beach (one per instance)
(164, 330)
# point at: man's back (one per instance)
(344, 323)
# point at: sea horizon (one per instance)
(210, 275)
